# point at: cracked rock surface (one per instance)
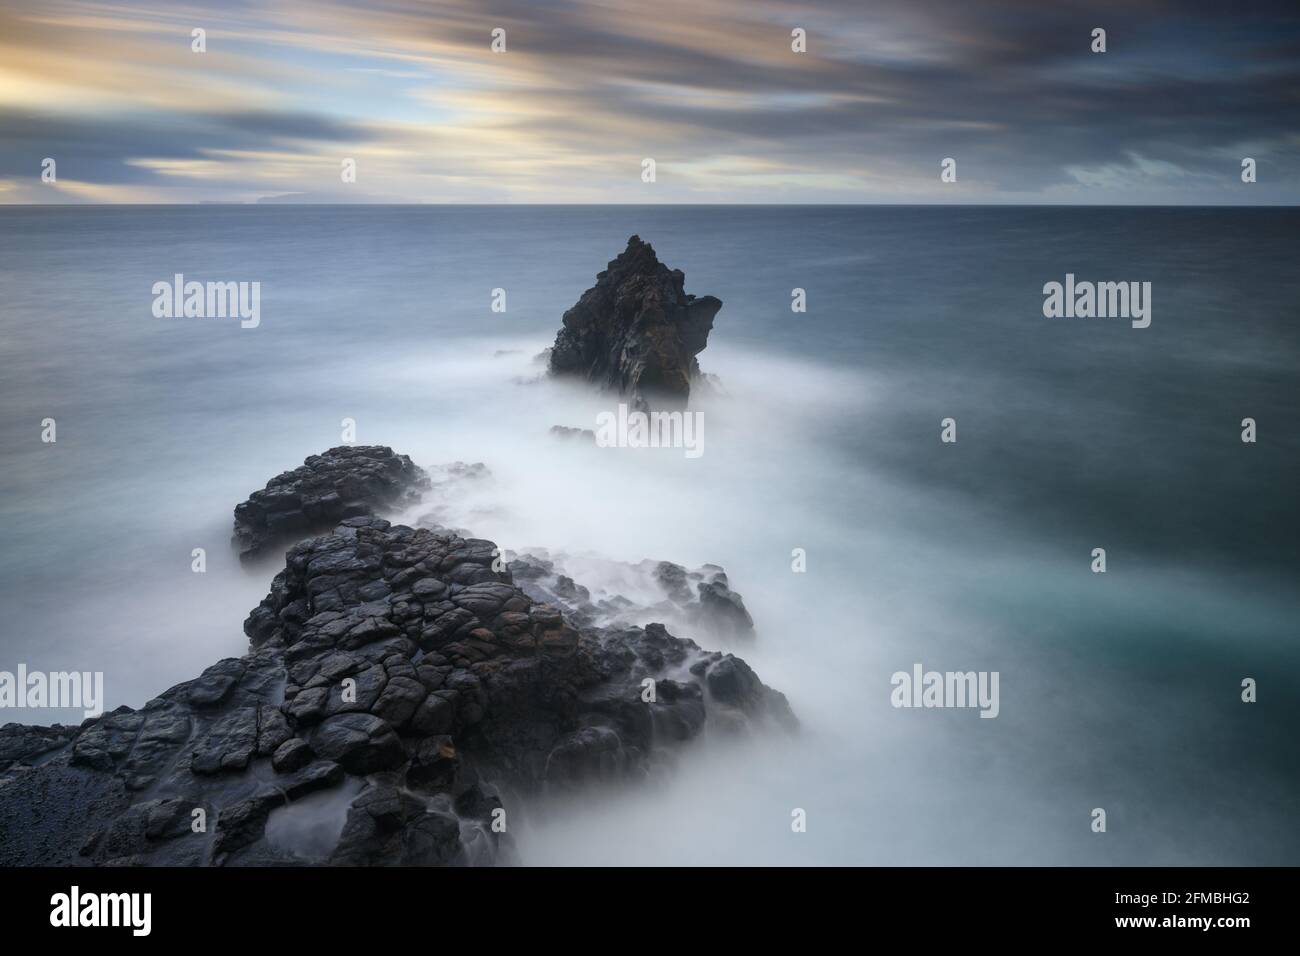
(398, 682)
(345, 482)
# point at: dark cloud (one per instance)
(1013, 86)
(96, 148)
(1009, 87)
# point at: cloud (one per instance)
(709, 89)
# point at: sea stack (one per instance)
(636, 331)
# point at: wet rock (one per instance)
(389, 827)
(436, 764)
(401, 698)
(722, 610)
(168, 819)
(272, 730)
(568, 433)
(21, 744)
(344, 482)
(320, 775)
(214, 685)
(361, 743)
(672, 578)
(244, 822)
(229, 744)
(457, 679)
(636, 331)
(291, 755)
(698, 601)
(591, 753)
(733, 682)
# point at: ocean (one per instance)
(1120, 691)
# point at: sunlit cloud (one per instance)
(588, 88)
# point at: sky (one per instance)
(586, 90)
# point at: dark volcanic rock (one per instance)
(699, 601)
(722, 609)
(399, 675)
(566, 433)
(291, 755)
(636, 331)
(362, 743)
(345, 482)
(21, 744)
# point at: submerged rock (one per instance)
(636, 331)
(345, 482)
(568, 433)
(398, 675)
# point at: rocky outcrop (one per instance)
(22, 744)
(439, 640)
(699, 602)
(344, 482)
(636, 331)
(566, 433)
(398, 684)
